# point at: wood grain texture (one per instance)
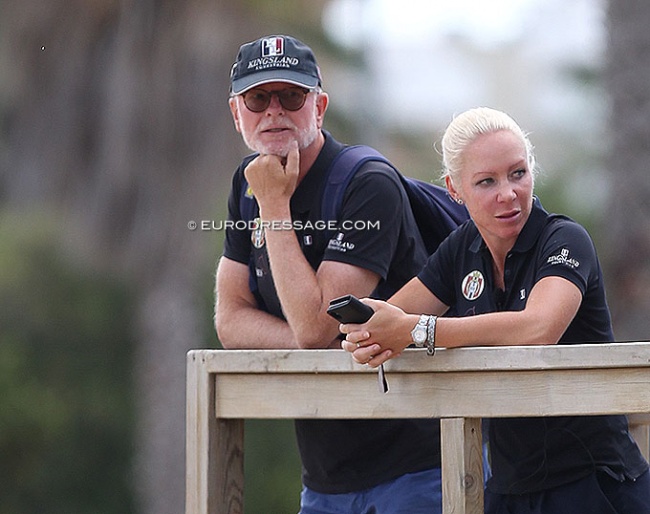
(460, 386)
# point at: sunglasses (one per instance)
(291, 98)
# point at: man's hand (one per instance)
(273, 180)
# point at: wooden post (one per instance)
(214, 446)
(462, 466)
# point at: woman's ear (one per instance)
(452, 189)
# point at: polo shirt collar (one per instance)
(532, 229)
(529, 234)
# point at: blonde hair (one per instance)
(466, 127)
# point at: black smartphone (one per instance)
(349, 309)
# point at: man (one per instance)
(274, 281)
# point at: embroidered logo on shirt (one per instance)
(339, 245)
(563, 258)
(473, 285)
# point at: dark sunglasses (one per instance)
(291, 98)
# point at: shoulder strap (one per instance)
(435, 212)
(247, 213)
(340, 173)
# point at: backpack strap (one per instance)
(341, 171)
(434, 210)
(247, 211)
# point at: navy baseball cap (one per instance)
(274, 59)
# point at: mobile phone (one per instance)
(349, 309)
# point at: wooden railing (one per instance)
(460, 386)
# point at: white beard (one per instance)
(305, 137)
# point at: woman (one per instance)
(515, 275)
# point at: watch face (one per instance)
(420, 335)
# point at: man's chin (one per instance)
(281, 147)
(279, 150)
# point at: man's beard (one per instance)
(305, 137)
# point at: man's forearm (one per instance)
(299, 290)
(251, 328)
(238, 320)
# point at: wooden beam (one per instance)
(459, 386)
(551, 392)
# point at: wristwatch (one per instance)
(419, 332)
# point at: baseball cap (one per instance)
(274, 59)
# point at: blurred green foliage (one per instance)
(66, 409)
(271, 467)
(271, 461)
(66, 389)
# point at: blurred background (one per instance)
(115, 134)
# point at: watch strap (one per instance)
(431, 335)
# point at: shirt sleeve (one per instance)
(370, 222)
(567, 251)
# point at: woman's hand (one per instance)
(382, 337)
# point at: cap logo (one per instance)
(272, 46)
(272, 56)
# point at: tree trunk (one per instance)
(118, 125)
(627, 254)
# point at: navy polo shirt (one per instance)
(342, 456)
(532, 454)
